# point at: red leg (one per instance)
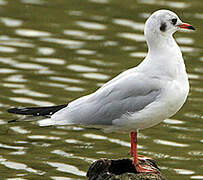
(139, 167)
(133, 136)
(132, 144)
(133, 151)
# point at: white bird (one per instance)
(138, 98)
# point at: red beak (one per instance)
(186, 26)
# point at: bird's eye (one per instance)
(174, 21)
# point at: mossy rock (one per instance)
(121, 169)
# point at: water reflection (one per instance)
(32, 1)
(97, 76)
(31, 101)
(83, 35)
(73, 44)
(20, 130)
(64, 79)
(3, 2)
(15, 42)
(185, 40)
(129, 23)
(66, 168)
(165, 3)
(117, 141)
(138, 54)
(61, 178)
(46, 51)
(132, 36)
(15, 78)
(7, 49)
(43, 137)
(99, 1)
(170, 143)
(184, 171)
(196, 177)
(50, 60)
(173, 121)
(69, 155)
(19, 166)
(11, 147)
(11, 22)
(31, 33)
(91, 25)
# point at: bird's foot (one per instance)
(145, 168)
(146, 165)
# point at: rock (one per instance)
(121, 169)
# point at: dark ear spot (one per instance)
(163, 27)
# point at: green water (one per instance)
(68, 48)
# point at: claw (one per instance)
(145, 169)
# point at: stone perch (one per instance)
(121, 169)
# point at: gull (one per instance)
(138, 98)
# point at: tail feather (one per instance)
(37, 111)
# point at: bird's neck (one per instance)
(159, 42)
(164, 54)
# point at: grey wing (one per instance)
(128, 94)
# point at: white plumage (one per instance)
(140, 97)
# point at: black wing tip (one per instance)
(16, 110)
(12, 121)
(37, 111)
(12, 110)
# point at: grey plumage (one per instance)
(124, 95)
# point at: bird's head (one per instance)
(165, 22)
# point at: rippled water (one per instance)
(55, 49)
